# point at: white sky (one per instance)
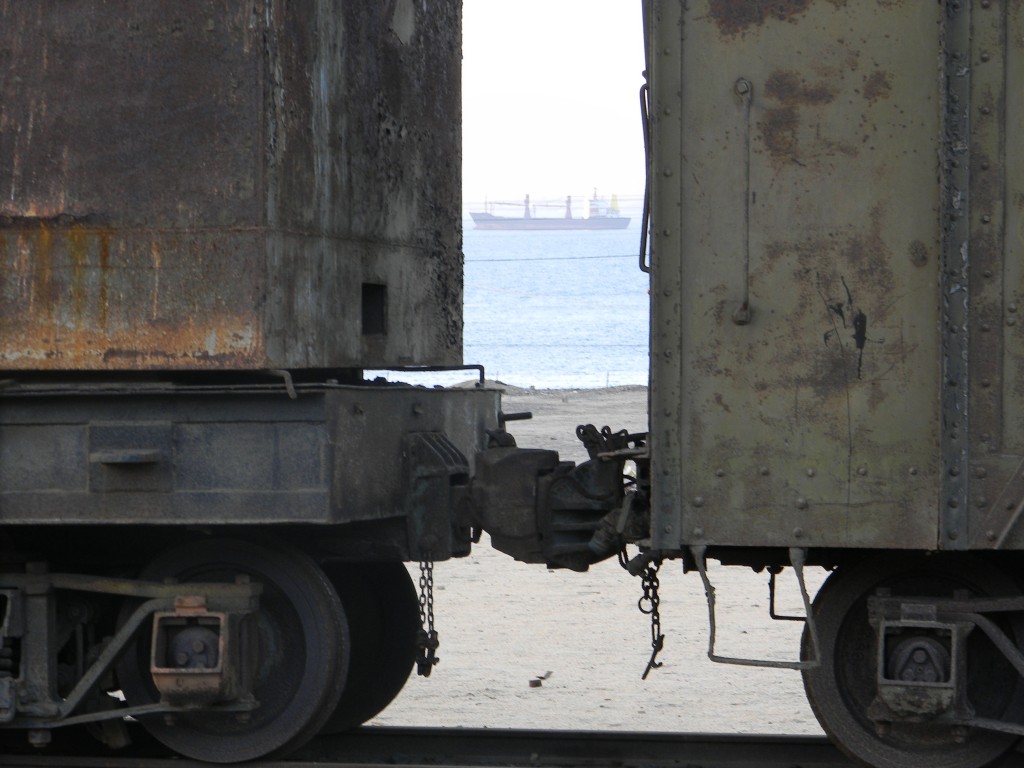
(550, 100)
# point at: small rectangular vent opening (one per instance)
(375, 303)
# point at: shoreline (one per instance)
(514, 391)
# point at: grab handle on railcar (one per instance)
(645, 218)
(797, 558)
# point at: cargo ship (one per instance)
(600, 216)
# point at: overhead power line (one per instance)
(554, 258)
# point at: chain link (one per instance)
(648, 604)
(426, 639)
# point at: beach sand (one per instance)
(502, 624)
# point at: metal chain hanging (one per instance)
(648, 603)
(426, 638)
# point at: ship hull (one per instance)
(490, 221)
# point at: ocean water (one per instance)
(551, 310)
(561, 309)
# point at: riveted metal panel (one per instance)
(1012, 316)
(665, 31)
(158, 454)
(209, 185)
(805, 277)
(955, 284)
(997, 284)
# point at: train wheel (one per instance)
(842, 689)
(383, 611)
(303, 648)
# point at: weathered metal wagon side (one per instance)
(836, 274)
(217, 186)
(213, 217)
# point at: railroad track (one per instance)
(459, 747)
(487, 747)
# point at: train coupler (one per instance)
(539, 509)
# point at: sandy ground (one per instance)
(502, 624)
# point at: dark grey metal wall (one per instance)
(212, 184)
(158, 454)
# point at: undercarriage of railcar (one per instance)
(224, 563)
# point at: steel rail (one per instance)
(486, 747)
(409, 747)
(390, 747)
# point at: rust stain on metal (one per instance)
(877, 85)
(104, 300)
(59, 283)
(918, 253)
(986, 196)
(155, 255)
(778, 129)
(790, 89)
(735, 17)
(78, 253)
(42, 248)
(780, 125)
(839, 148)
(219, 342)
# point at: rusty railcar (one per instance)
(215, 215)
(258, 188)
